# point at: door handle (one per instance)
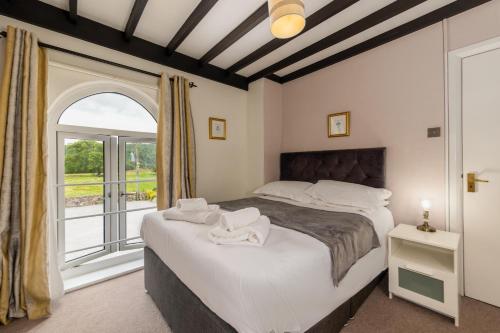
(472, 180)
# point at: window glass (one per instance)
(110, 111)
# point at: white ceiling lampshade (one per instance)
(287, 17)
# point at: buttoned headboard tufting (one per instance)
(360, 166)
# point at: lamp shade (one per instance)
(426, 204)
(287, 17)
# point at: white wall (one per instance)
(264, 132)
(221, 164)
(273, 118)
(255, 135)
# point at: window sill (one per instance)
(103, 270)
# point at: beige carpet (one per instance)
(121, 306)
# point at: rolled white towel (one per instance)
(192, 204)
(207, 216)
(254, 234)
(239, 218)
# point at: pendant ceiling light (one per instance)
(287, 17)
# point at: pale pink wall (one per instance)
(272, 129)
(475, 25)
(394, 92)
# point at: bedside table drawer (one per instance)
(421, 284)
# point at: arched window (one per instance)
(106, 175)
(110, 111)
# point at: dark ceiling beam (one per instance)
(365, 23)
(192, 21)
(73, 11)
(135, 16)
(436, 16)
(251, 22)
(318, 17)
(275, 78)
(46, 16)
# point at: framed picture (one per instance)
(339, 124)
(217, 128)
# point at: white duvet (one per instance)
(284, 286)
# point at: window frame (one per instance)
(60, 187)
(122, 227)
(56, 109)
(103, 128)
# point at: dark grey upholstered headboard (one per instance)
(360, 166)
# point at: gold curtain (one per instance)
(175, 144)
(24, 289)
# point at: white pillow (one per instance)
(343, 208)
(349, 194)
(286, 189)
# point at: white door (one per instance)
(84, 203)
(105, 184)
(481, 160)
(137, 186)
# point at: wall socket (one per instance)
(434, 132)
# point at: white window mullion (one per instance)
(122, 190)
(108, 199)
(104, 214)
(113, 197)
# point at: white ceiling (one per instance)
(257, 37)
(348, 16)
(220, 20)
(385, 26)
(113, 13)
(163, 18)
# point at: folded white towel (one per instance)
(240, 218)
(207, 216)
(254, 234)
(192, 204)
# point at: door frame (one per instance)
(454, 140)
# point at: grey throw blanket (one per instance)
(348, 236)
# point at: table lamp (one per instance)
(426, 205)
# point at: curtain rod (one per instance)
(104, 61)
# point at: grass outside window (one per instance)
(93, 190)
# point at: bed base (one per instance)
(186, 313)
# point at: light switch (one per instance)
(434, 132)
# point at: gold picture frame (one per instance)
(339, 124)
(217, 129)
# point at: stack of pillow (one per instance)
(328, 193)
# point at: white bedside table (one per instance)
(423, 268)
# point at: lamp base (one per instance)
(426, 227)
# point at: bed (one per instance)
(284, 286)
